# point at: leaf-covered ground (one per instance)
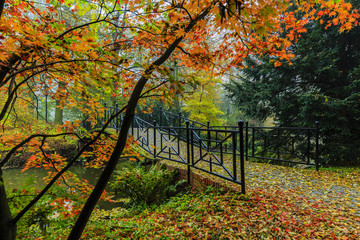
(281, 203)
(337, 187)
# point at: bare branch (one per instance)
(151, 89)
(80, 26)
(183, 50)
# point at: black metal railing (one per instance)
(219, 150)
(280, 144)
(167, 142)
(261, 143)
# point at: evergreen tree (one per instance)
(321, 83)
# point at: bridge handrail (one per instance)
(297, 144)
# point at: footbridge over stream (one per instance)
(219, 150)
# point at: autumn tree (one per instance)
(202, 101)
(42, 50)
(90, 45)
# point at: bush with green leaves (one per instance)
(142, 185)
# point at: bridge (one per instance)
(219, 150)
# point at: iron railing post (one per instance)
(278, 145)
(208, 136)
(169, 129)
(192, 147)
(46, 104)
(179, 132)
(317, 146)
(200, 143)
(242, 164)
(247, 140)
(234, 155)
(188, 151)
(154, 124)
(308, 145)
(253, 142)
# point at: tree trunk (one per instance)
(7, 229)
(89, 206)
(5, 67)
(59, 113)
(2, 2)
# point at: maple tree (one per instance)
(84, 52)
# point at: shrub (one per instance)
(143, 186)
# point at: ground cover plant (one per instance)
(144, 186)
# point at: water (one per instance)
(14, 178)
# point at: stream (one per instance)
(14, 178)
